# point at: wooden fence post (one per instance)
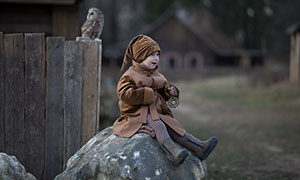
(292, 56)
(90, 89)
(99, 86)
(55, 49)
(8, 91)
(295, 58)
(72, 99)
(19, 98)
(14, 95)
(1, 94)
(35, 103)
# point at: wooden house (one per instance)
(186, 49)
(52, 17)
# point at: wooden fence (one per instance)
(49, 99)
(295, 57)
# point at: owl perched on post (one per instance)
(93, 25)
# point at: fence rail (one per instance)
(49, 99)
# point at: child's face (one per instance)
(151, 61)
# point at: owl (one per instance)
(93, 25)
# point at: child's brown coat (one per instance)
(140, 92)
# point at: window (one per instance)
(172, 63)
(193, 63)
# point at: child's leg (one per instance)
(176, 154)
(160, 129)
(201, 148)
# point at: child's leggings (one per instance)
(161, 132)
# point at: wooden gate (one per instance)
(49, 99)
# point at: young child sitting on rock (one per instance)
(142, 94)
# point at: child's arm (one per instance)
(166, 92)
(163, 92)
(130, 94)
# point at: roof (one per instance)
(118, 49)
(171, 14)
(53, 2)
(293, 28)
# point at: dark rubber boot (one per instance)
(177, 155)
(202, 149)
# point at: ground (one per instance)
(258, 127)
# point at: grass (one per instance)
(258, 127)
(240, 91)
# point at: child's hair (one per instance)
(139, 48)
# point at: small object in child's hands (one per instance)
(173, 102)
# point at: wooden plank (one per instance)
(1, 94)
(8, 91)
(35, 103)
(72, 97)
(292, 57)
(297, 58)
(19, 97)
(295, 62)
(99, 85)
(90, 98)
(54, 113)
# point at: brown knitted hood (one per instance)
(139, 48)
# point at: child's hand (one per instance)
(171, 91)
(148, 130)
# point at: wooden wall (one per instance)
(65, 21)
(181, 40)
(49, 99)
(53, 20)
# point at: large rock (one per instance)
(11, 168)
(108, 157)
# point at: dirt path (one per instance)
(256, 142)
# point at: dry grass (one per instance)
(258, 128)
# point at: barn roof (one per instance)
(171, 14)
(118, 49)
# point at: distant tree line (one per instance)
(258, 24)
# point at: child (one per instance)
(142, 101)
